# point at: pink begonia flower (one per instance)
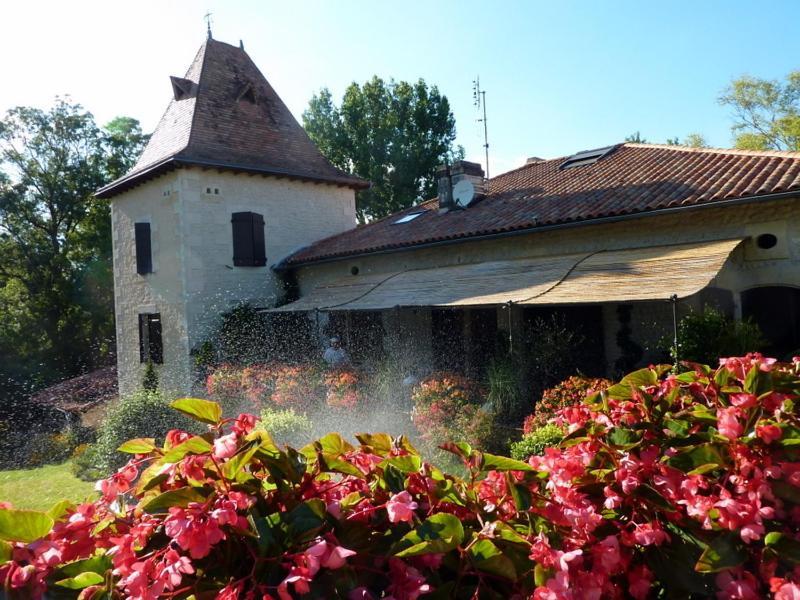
(737, 586)
(193, 529)
(244, 424)
(118, 483)
(728, 423)
(406, 582)
(401, 508)
(743, 400)
(769, 433)
(225, 446)
(787, 591)
(175, 566)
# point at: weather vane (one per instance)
(207, 17)
(479, 99)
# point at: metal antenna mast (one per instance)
(479, 100)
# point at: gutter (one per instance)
(283, 267)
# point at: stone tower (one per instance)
(228, 185)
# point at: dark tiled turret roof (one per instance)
(632, 179)
(224, 114)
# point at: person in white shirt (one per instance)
(335, 355)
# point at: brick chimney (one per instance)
(450, 175)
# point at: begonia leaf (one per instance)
(624, 438)
(180, 498)
(60, 509)
(724, 552)
(638, 379)
(409, 463)
(6, 550)
(502, 463)
(138, 446)
(81, 581)
(461, 449)
(194, 445)
(96, 564)
(306, 519)
(380, 443)
(441, 532)
(785, 547)
(334, 444)
(201, 410)
(24, 525)
(487, 557)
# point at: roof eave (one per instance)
(133, 179)
(287, 265)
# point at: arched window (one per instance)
(776, 310)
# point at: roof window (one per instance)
(409, 217)
(247, 93)
(181, 88)
(586, 157)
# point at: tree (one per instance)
(393, 134)
(766, 112)
(636, 138)
(55, 245)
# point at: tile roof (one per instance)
(80, 393)
(226, 115)
(635, 178)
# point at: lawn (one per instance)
(41, 488)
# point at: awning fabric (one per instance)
(651, 273)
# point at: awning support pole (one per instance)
(509, 304)
(674, 300)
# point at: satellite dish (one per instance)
(463, 193)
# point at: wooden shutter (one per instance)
(242, 239)
(156, 347)
(144, 256)
(259, 250)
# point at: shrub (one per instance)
(569, 392)
(534, 443)
(446, 407)
(144, 414)
(706, 335)
(285, 426)
(342, 390)
(298, 387)
(504, 388)
(150, 378)
(667, 487)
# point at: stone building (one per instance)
(228, 185)
(231, 202)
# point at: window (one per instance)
(408, 217)
(144, 254)
(248, 240)
(151, 348)
(586, 157)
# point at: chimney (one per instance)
(533, 160)
(450, 176)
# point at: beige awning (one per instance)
(652, 273)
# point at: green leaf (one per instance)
(437, 534)
(380, 443)
(24, 525)
(724, 552)
(786, 547)
(201, 410)
(180, 497)
(334, 444)
(502, 463)
(59, 509)
(461, 449)
(624, 389)
(81, 581)
(306, 519)
(623, 438)
(138, 446)
(194, 445)
(487, 557)
(96, 564)
(678, 428)
(703, 469)
(693, 457)
(332, 463)
(409, 463)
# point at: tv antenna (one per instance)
(479, 100)
(207, 18)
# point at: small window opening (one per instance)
(144, 252)
(765, 241)
(216, 191)
(586, 157)
(409, 217)
(247, 93)
(151, 348)
(354, 270)
(181, 88)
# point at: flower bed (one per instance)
(665, 486)
(569, 392)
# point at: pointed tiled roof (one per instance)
(226, 115)
(633, 179)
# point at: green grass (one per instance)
(41, 488)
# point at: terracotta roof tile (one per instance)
(636, 178)
(231, 119)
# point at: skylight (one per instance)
(408, 217)
(586, 157)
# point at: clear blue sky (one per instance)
(560, 76)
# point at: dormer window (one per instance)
(247, 93)
(181, 88)
(586, 157)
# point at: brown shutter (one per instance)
(144, 256)
(242, 223)
(259, 249)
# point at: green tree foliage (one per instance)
(705, 336)
(56, 293)
(393, 134)
(766, 112)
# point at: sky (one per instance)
(559, 76)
